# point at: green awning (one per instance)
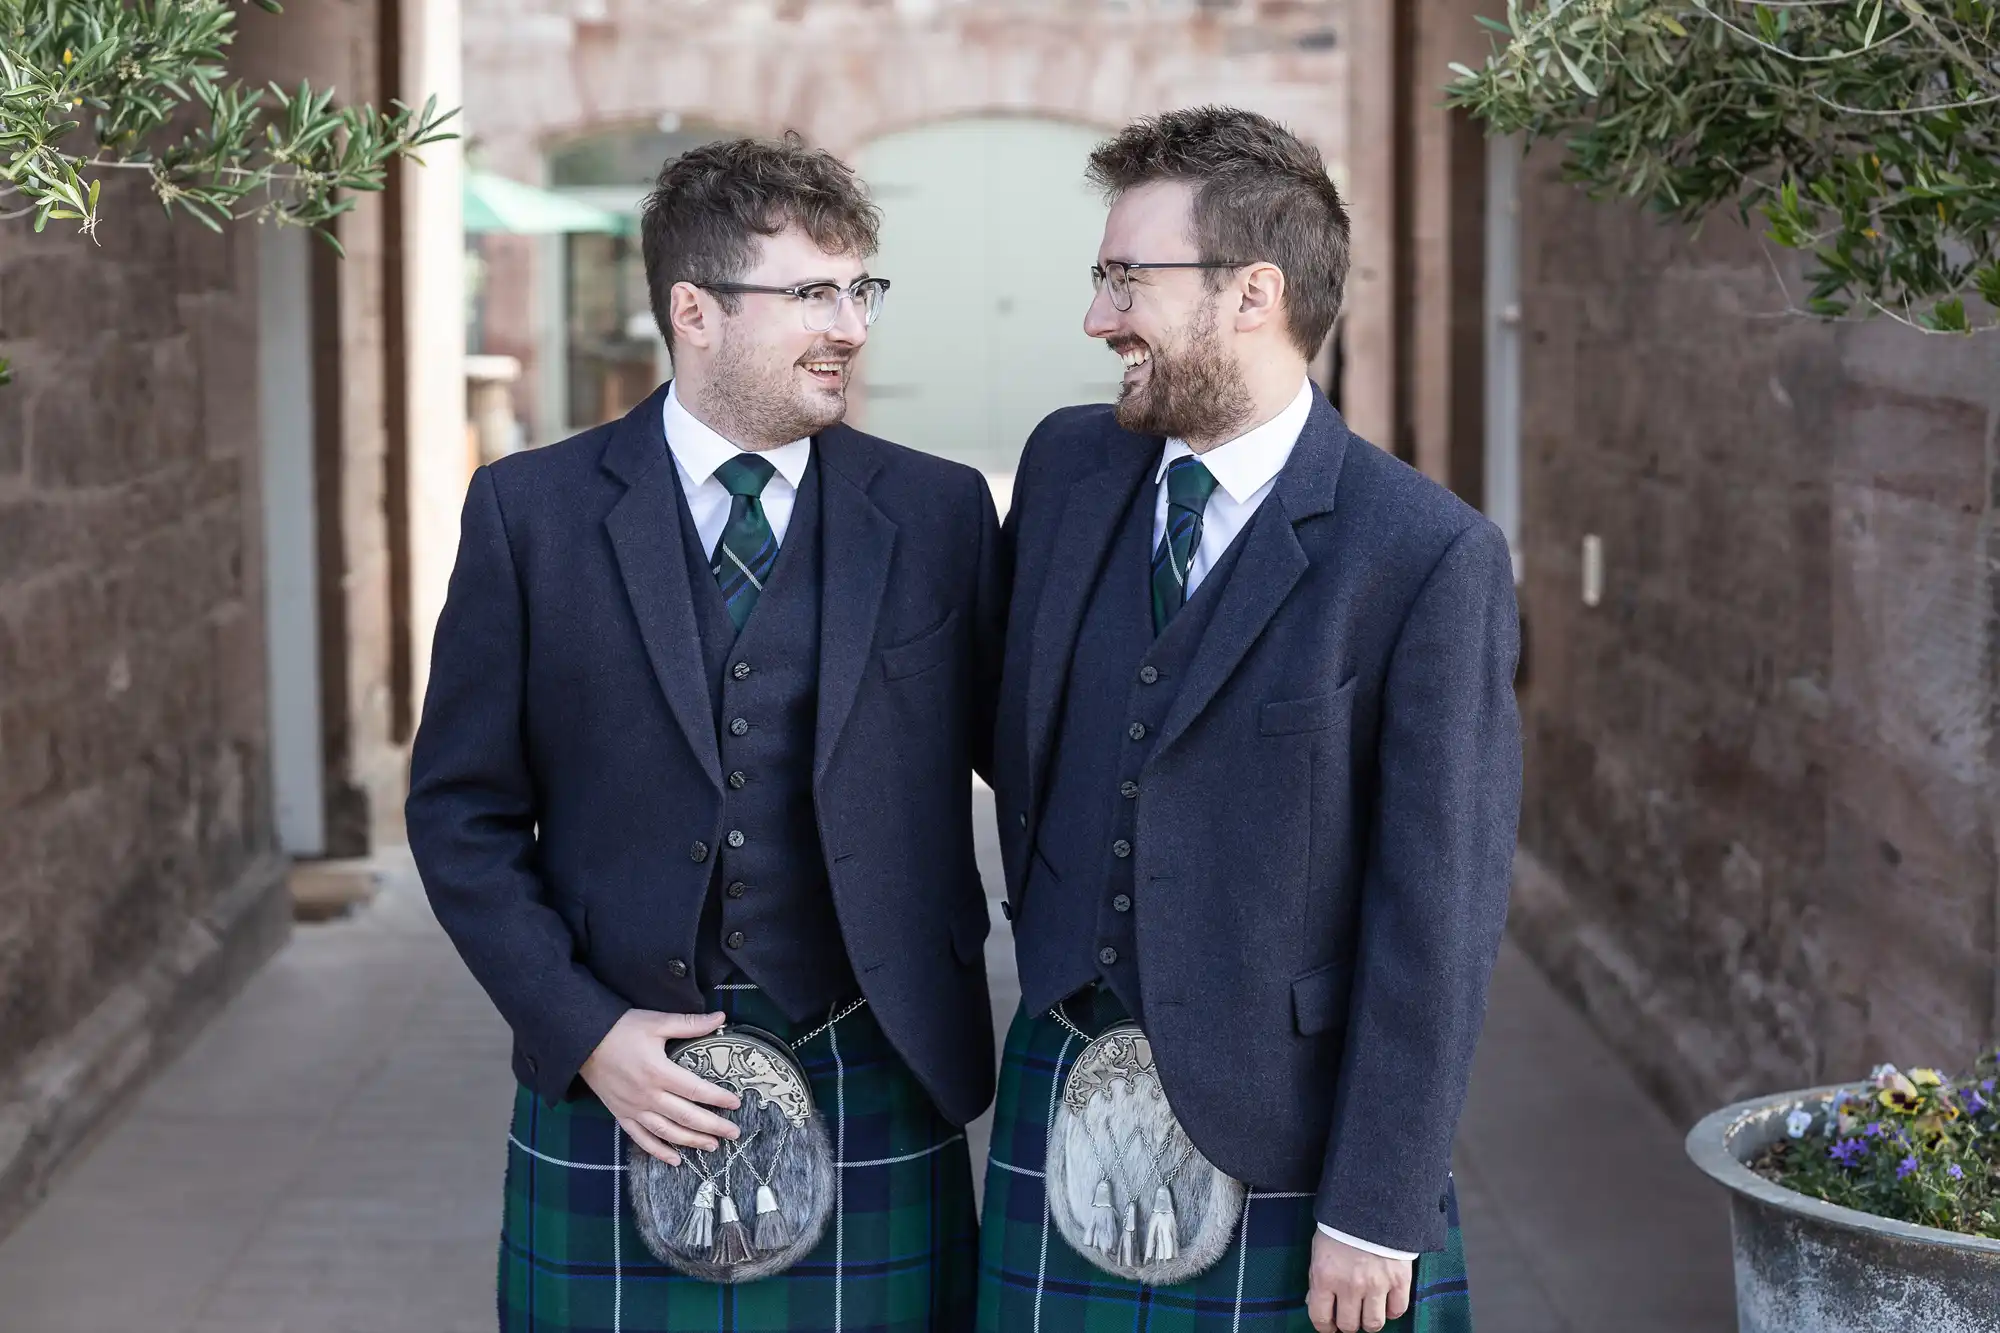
(497, 204)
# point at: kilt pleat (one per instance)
(899, 1255)
(1031, 1281)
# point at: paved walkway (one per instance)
(327, 1158)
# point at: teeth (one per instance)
(1138, 356)
(825, 367)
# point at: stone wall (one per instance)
(843, 72)
(139, 877)
(1759, 832)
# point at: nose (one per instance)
(1103, 318)
(850, 323)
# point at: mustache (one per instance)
(828, 353)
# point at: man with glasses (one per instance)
(705, 702)
(1258, 775)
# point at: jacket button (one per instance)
(738, 889)
(1006, 909)
(1121, 849)
(741, 671)
(1122, 903)
(736, 837)
(735, 940)
(1137, 731)
(1023, 818)
(739, 728)
(1129, 790)
(534, 1065)
(678, 968)
(1147, 675)
(699, 852)
(737, 780)
(1108, 956)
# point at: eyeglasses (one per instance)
(819, 302)
(1118, 276)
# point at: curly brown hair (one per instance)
(710, 206)
(1261, 193)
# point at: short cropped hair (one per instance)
(712, 204)
(1260, 194)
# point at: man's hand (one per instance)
(655, 1100)
(1354, 1290)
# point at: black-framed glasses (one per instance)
(819, 302)
(1118, 276)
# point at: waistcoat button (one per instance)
(1137, 731)
(741, 671)
(738, 889)
(1147, 675)
(737, 780)
(735, 940)
(1121, 849)
(1107, 956)
(736, 837)
(678, 968)
(739, 728)
(1122, 903)
(1129, 790)
(699, 852)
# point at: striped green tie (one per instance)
(1189, 484)
(748, 549)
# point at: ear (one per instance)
(692, 316)
(1263, 297)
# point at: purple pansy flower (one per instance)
(1875, 1129)
(1955, 1171)
(1848, 1152)
(1906, 1168)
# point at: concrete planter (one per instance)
(1803, 1266)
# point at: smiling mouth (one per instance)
(829, 372)
(1136, 358)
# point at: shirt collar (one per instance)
(1245, 465)
(701, 451)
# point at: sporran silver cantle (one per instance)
(755, 1206)
(1127, 1188)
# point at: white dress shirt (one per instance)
(1245, 469)
(698, 451)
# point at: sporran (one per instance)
(1127, 1188)
(753, 1207)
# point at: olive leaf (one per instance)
(1863, 133)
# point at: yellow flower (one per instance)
(69, 56)
(1900, 1101)
(1926, 1078)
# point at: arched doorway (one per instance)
(989, 231)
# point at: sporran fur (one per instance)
(754, 1207)
(1127, 1188)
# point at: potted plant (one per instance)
(1864, 1207)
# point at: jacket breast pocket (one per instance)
(1319, 999)
(928, 649)
(1287, 717)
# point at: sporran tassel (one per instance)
(1103, 1221)
(1161, 1240)
(774, 1232)
(732, 1242)
(1127, 1237)
(699, 1231)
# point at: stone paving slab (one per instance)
(326, 1158)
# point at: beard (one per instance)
(762, 399)
(1192, 391)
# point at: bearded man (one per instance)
(1258, 775)
(697, 748)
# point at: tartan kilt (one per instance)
(1030, 1278)
(899, 1255)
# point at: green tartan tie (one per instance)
(748, 549)
(1189, 484)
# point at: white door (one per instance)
(988, 235)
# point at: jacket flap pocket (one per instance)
(921, 653)
(1319, 999)
(1285, 716)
